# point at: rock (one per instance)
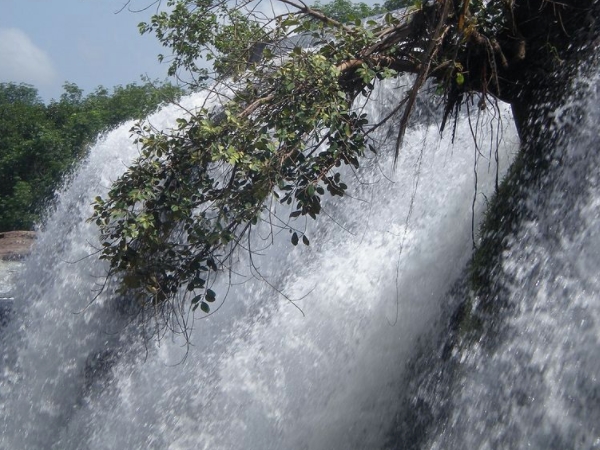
(15, 245)
(5, 311)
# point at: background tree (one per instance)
(345, 11)
(41, 143)
(392, 5)
(193, 197)
(27, 154)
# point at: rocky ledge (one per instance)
(15, 245)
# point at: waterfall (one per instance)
(536, 383)
(309, 349)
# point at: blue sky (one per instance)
(48, 42)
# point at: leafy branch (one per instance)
(193, 197)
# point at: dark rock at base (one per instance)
(16, 245)
(5, 311)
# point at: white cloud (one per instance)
(23, 61)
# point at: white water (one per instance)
(259, 374)
(538, 384)
(8, 272)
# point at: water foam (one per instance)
(259, 374)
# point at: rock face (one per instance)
(15, 245)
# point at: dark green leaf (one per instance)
(210, 295)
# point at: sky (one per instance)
(48, 42)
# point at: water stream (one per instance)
(372, 289)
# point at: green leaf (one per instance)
(295, 238)
(210, 295)
(305, 240)
(197, 282)
(204, 307)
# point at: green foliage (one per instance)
(210, 180)
(345, 11)
(194, 195)
(40, 143)
(392, 5)
(180, 211)
(230, 57)
(200, 29)
(26, 154)
(186, 30)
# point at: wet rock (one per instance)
(16, 245)
(5, 311)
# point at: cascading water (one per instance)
(259, 374)
(535, 383)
